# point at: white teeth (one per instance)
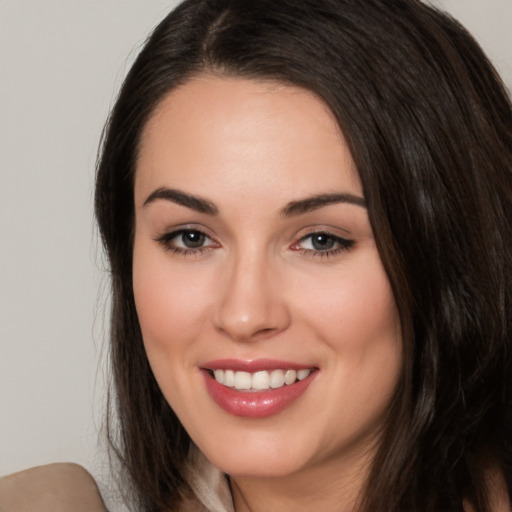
(259, 381)
(302, 374)
(229, 378)
(219, 376)
(243, 380)
(290, 377)
(277, 379)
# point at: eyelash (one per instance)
(166, 240)
(344, 244)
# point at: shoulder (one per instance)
(52, 488)
(498, 492)
(499, 499)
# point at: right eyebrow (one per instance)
(182, 198)
(319, 201)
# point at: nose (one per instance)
(252, 305)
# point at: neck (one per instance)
(329, 487)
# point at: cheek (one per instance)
(170, 305)
(355, 316)
(353, 308)
(370, 315)
(366, 334)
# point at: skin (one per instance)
(259, 288)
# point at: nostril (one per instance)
(242, 333)
(264, 333)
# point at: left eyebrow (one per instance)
(314, 202)
(184, 199)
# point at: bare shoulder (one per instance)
(57, 487)
(499, 500)
(499, 496)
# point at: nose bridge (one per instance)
(250, 306)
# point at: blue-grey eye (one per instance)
(322, 241)
(192, 239)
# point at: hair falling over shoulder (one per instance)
(429, 125)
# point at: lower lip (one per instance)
(255, 404)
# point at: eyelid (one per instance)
(166, 238)
(342, 243)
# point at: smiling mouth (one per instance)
(256, 389)
(259, 381)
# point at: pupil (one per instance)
(193, 239)
(323, 242)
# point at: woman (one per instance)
(306, 208)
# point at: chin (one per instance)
(256, 454)
(244, 467)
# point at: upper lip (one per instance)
(254, 365)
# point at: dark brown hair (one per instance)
(429, 124)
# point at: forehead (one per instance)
(244, 133)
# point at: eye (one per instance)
(186, 241)
(190, 239)
(322, 244)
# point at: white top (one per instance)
(210, 486)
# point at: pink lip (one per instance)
(254, 404)
(252, 366)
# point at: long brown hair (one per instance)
(429, 124)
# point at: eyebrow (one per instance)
(293, 208)
(315, 202)
(182, 198)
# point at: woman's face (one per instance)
(267, 317)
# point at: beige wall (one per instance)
(61, 62)
(490, 21)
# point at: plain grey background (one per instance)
(61, 64)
